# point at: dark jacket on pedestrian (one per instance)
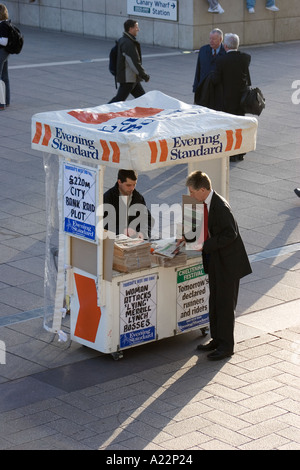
(129, 62)
(206, 94)
(4, 30)
(232, 71)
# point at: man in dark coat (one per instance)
(232, 73)
(205, 93)
(225, 261)
(130, 71)
(125, 210)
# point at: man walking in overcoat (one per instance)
(130, 71)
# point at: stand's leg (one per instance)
(117, 355)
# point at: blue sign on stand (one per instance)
(138, 310)
(79, 229)
(79, 201)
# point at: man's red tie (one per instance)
(205, 221)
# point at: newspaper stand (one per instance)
(109, 310)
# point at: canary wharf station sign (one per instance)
(153, 9)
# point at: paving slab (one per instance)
(165, 395)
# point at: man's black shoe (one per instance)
(297, 191)
(211, 346)
(218, 355)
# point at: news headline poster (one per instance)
(192, 298)
(79, 201)
(138, 310)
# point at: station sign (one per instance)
(153, 9)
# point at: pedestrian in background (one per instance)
(4, 32)
(232, 72)
(215, 7)
(205, 93)
(270, 5)
(130, 71)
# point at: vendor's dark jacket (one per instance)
(129, 62)
(112, 196)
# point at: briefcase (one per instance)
(253, 101)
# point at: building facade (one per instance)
(187, 30)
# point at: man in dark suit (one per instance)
(205, 93)
(225, 261)
(232, 73)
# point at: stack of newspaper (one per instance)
(131, 254)
(168, 253)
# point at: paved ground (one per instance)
(161, 396)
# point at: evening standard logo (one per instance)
(182, 147)
(196, 146)
(76, 144)
(64, 142)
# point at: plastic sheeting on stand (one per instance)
(54, 271)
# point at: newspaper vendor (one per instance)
(125, 208)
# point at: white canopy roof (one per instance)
(149, 132)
